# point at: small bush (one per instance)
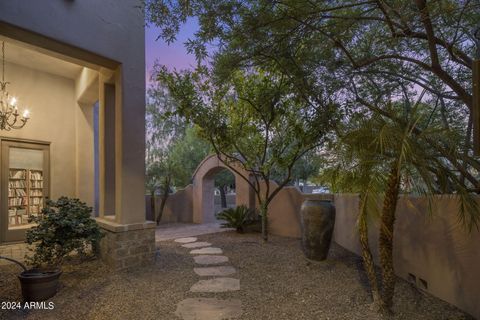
(65, 227)
(238, 218)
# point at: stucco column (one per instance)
(129, 146)
(101, 146)
(109, 149)
(106, 144)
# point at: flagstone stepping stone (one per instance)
(209, 309)
(215, 271)
(210, 259)
(216, 285)
(209, 250)
(186, 240)
(192, 245)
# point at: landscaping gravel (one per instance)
(276, 281)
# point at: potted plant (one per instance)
(64, 228)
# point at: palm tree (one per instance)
(392, 153)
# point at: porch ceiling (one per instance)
(16, 52)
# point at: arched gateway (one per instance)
(204, 186)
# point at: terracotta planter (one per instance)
(38, 285)
(317, 222)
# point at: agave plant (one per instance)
(238, 218)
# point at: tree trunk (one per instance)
(386, 237)
(165, 194)
(264, 213)
(368, 263)
(223, 196)
(152, 203)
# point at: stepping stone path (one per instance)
(196, 245)
(216, 285)
(215, 271)
(186, 240)
(210, 308)
(209, 250)
(210, 259)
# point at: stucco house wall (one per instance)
(53, 120)
(107, 37)
(107, 33)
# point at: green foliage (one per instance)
(185, 155)
(305, 169)
(347, 51)
(224, 178)
(425, 150)
(174, 148)
(384, 155)
(238, 218)
(256, 121)
(65, 226)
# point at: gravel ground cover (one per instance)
(277, 282)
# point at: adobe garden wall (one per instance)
(435, 250)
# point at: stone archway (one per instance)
(204, 185)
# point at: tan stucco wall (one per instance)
(204, 186)
(103, 34)
(51, 102)
(179, 206)
(86, 94)
(434, 248)
(284, 211)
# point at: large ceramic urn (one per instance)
(317, 222)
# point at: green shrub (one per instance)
(238, 218)
(65, 226)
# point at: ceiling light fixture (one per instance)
(9, 116)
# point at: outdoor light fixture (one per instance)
(9, 115)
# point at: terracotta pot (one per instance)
(317, 222)
(39, 285)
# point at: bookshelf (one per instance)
(24, 185)
(25, 195)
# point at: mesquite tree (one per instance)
(358, 53)
(174, 149)
(255, 121)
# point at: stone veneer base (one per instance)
(126, 248)
(15, 251)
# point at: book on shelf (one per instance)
(36, 175)
(36, 184)
(25, 195)
(17, 174)
(36, 193)
(17, 184)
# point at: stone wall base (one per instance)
(15, 251)
(128, 249)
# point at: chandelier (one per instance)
(9, 115)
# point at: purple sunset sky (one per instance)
(174, 55)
